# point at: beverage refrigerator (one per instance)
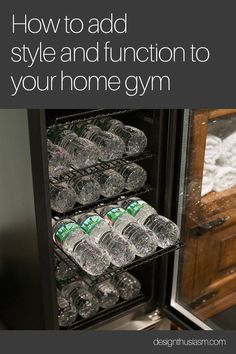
(191, 179)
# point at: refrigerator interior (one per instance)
(148, 270)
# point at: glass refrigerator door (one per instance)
(204, 279)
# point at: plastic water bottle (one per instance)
(78, 294)
(83, 152)
(72, 240)
(134, 175)
(118, 248)
(107, 294)
(166, 230)
(143, 240)
(110, 145)
(128, 286)
(58, 160)
(67, 313)
(63, 197)
(135, 140)
(88, 190)
(64, 272)
(111, 183)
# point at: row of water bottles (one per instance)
(114, 234)
(88, 189)
(88, 144)
(78, 299)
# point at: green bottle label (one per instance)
(53, 134)
(64, 230)
(112, 215)
(88, 224)
(134, 207)
(103, 122)
(79, 127)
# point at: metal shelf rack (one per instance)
(122, 305)
(113, 270)
(90, 117)
(78, 208)
(102, 166)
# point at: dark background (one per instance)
(171, 23)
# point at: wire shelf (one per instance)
(90, 116)
(122, 305)
(70, 263)
(113, 270)
(78, 208)
(102, 166)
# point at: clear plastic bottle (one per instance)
(72, 240)
(128, 286)
(78, 294)
(88, 190)
(134, 175)
(107, 294)
(64, 272)
(135, 140)
(109, 145)
(167, 231)
(67, 313)
(118, 248)
(62, 196)
(58, 160)
(83, 152)
(111, 182)
(143, 240)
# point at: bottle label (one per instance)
(134, 207)
(54, 134)
(79, 127)
(103, 122)
(89, 223)
(112, 215)
(64, 231)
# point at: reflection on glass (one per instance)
(206, 277)
(219, 173)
